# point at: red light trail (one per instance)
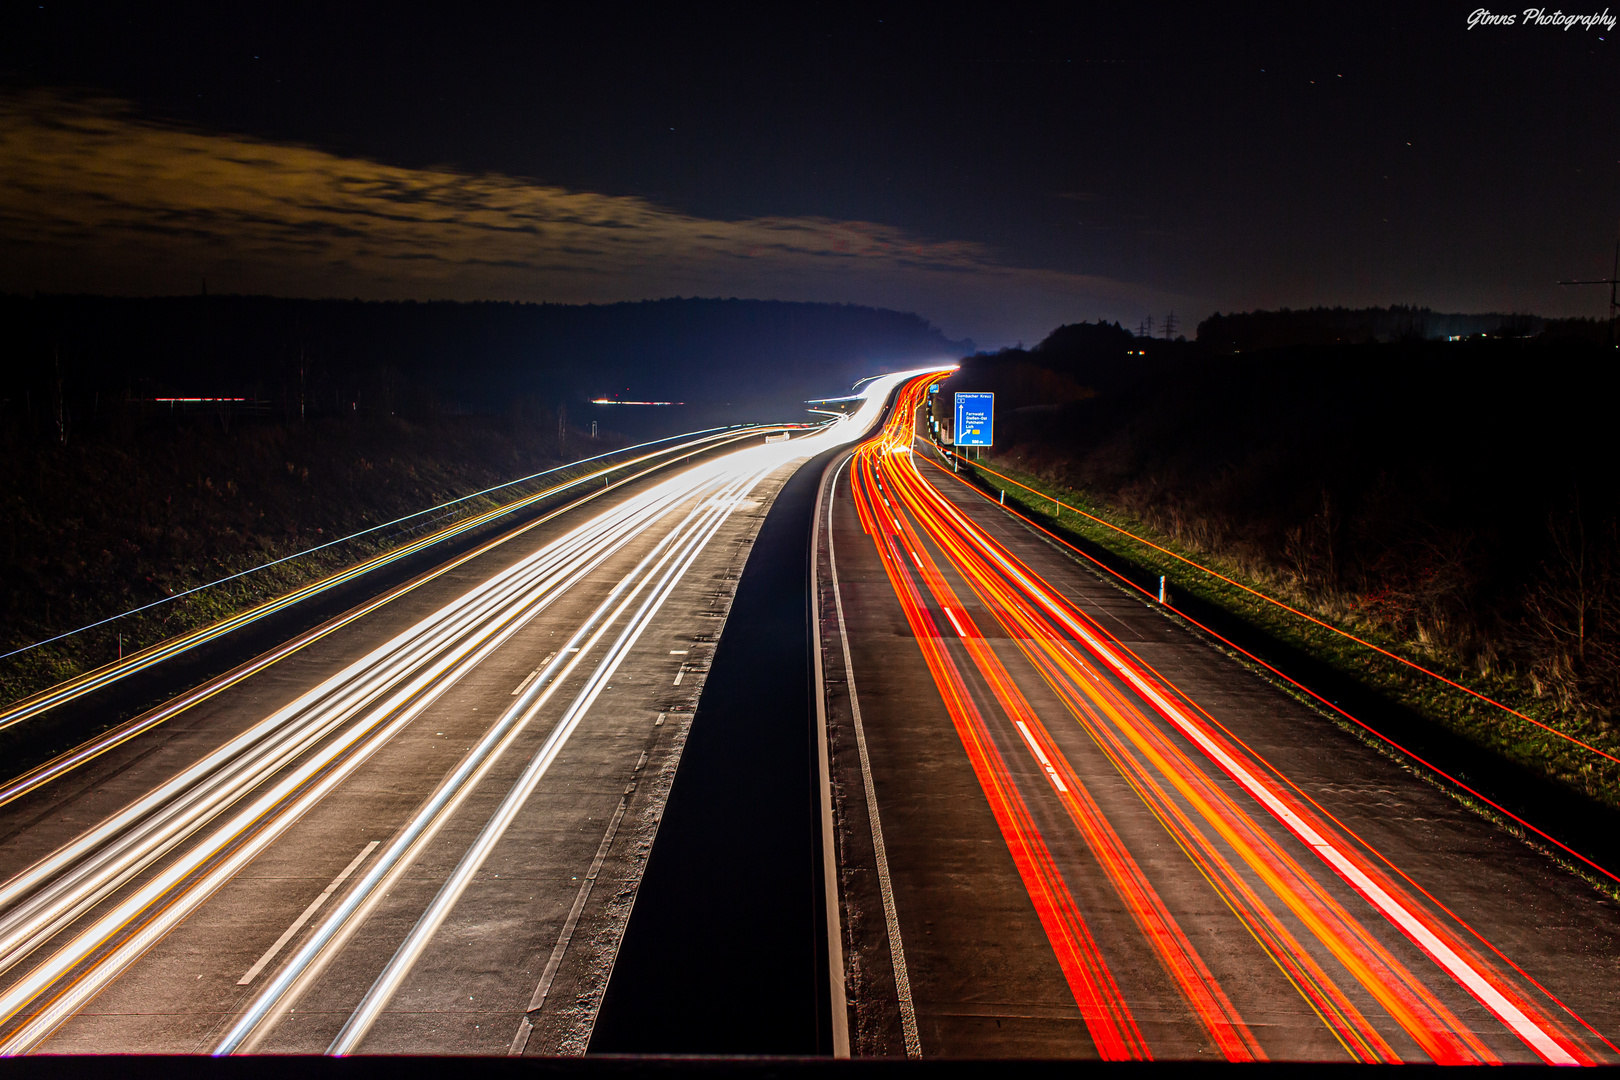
(1251, 838)
(1307, 617)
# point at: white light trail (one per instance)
(405, 957)
(417, 666)
(202, 826)
(51, 697)
(102, 859)
(415, 836)
(297, 974)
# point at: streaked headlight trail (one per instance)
(78, 918)
(628, 470)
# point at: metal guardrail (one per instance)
(98, 678)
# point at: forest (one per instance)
(1455, 498)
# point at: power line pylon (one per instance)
(1170, 327)
(1613, 282)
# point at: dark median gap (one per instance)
(726, 950)
(1586, 825)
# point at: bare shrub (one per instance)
(1572, 615)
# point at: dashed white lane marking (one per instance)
(677, 652)
(531, 676)
(679, 675)
(538, 1001)
(1538, 1039)
(891, 918)
(298, 923)
(959, 631)
(1057, 780)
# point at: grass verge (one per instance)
(1482, 724)
(56, 662)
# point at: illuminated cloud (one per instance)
(95, 198)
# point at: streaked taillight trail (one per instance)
(1217, 800)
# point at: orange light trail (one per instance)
(1095, 992)
(1217, 1014)
(1099, 681)
(1303, 615)
(1303, 688)
(1358, 953)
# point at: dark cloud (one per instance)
(97, 198)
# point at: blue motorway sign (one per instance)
(975, 419)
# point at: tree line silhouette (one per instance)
(1456, 496)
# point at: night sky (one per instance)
(998, 170)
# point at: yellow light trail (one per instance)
(1057, 641)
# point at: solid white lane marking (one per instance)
(134, 837)
(521, 1039)
(537, 1001)
(1397, 913)
(240, 764)
(891, 918)
(663, 569)
(832, 908)
(298, 923)
(366, 694)
(337, 926)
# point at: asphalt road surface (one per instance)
(1055, 821)
(422, 833)
(1069, 827)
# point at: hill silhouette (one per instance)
(738, 359)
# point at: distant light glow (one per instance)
(614, 401)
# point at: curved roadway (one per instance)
(420, 832)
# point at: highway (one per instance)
(420, 831)
(1066, 826)
(1053, 821)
